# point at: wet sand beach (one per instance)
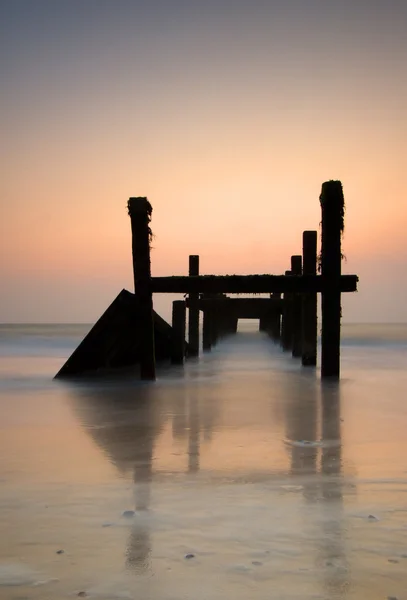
(238, 476)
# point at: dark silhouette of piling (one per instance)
(333, 208)
(215, 322)
(287, 319)
(264, 323)
(309, 301)
(275, 320)
(140, 215)
(207, 330)
(193, 315)
(296, 269)
(223, 320)
(178, 332)
(232, 323)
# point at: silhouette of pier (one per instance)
(131, 334)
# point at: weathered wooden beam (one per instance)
(178, 332)
(332, 205)
(140, 215)
(296, 269)
(309, 301)
(193, 310)
(244, 308)
(248, 284)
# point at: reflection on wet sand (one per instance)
(127, 421)
(310, 398)
(240, 459)
(193, 433)
(302, 430)
(333, 543)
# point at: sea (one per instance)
(239, 476)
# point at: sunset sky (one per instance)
(227, 114)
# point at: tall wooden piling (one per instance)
(309, 300)
(275, 320)
(287, 319)
(178, 332)
(193, 316)
(333, 209)
(140, 215)
(296, 269)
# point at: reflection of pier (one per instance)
(316, 405)
(126, 421)
(126, 431)
(302, 431)
(333, 547)
(131, 334)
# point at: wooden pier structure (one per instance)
(130, 333)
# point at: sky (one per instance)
(228, 115)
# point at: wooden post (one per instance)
(207, 330)
(233, 321)
(332, 205)
(178, 332)
(220, 319)
(140, 215)
(296, 269)
(287, 320)
(193, 316)
(309, 301)
(275, 325)
(225, 322)
(214, 326)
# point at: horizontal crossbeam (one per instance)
(244, 308)
(249, 284)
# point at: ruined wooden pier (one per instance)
(130, 333)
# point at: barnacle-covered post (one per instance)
(140, 215)
(296, 269)
(333, 210)
(178, 332)
(193, 316)
(309, 300)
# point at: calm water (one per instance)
(280, 487)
